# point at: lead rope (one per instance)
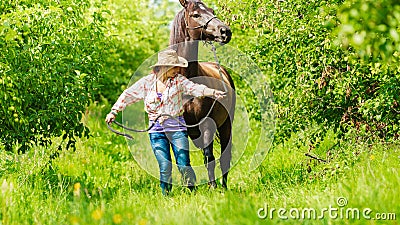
(213, 49)
(168, 115)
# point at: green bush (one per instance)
(371, 27)
(315, 79)
(50, 63)
(137, 31)
(59, 56)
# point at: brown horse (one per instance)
(193, 23)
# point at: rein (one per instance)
(168, 115)
(154, 122)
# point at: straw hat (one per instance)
(169, 57)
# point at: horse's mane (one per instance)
(178, 42)
(177, 34)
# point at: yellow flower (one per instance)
(371, 157)
(77, 186)
(129, 216)
(117, 219)
(142, 222)
(77, 189)
(97, 214)
(73, 219)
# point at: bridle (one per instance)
(203, 27)
(198, 27)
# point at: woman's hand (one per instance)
(214, 93)
(110, 118)
(218, 94)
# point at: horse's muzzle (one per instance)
(226, 34)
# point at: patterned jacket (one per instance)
(170, 102)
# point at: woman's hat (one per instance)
(169, 57)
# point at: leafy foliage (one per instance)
(51, 61)
(58, 56)
(371, 27)
(314, 80)
(138, 30)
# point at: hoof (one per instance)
(212, 185)
(192, 188)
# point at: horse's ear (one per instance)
(183, 2)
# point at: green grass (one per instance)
(100, 183)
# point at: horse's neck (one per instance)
(189, 50)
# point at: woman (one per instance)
(162, 92)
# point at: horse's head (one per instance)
(202, 24)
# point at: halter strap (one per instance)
(198, 27)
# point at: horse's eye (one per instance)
(196, 15)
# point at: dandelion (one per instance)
(117, 219)
(129, 216)
(142, 222)
(371, 157)
(73, 219)
(97, 214)
(77, 189)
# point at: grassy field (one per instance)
(101, 183)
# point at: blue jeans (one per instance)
(161, 142)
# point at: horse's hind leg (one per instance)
(225, 135)
(208, 129)
(204, 140)
(209, 162)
